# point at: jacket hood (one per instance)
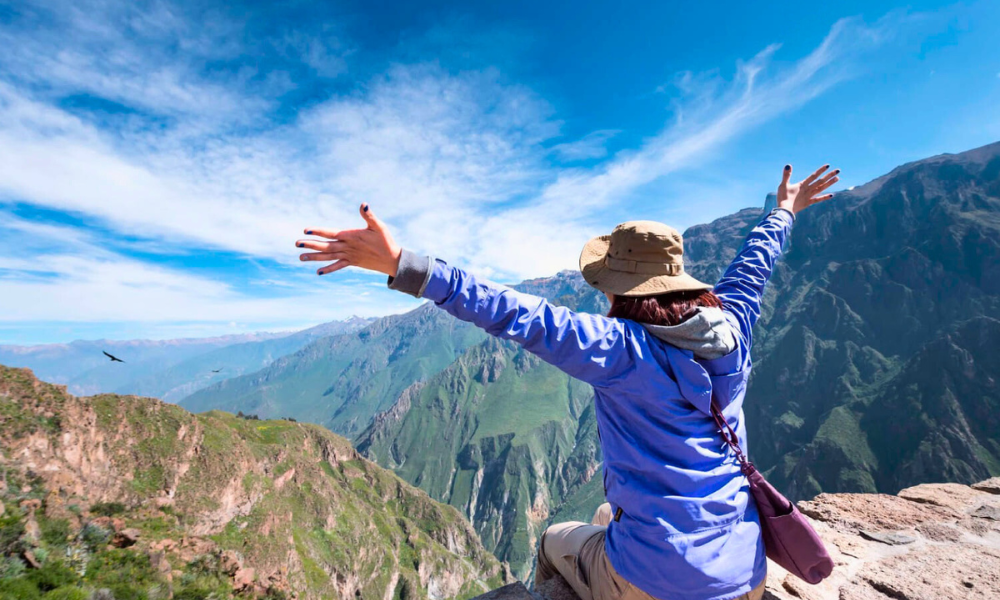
(707, 335)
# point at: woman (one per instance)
(680, 523)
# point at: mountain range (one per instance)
(166, 369)
(874, 367)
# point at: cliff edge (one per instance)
(929, 542)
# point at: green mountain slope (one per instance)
(874, 288)
(499, 434)
(208, 505)
(188, 376)
(342, 381)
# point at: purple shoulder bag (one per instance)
(789, 539)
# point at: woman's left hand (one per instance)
(371, 248)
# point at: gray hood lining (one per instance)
(708, 334)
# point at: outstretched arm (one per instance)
(591, 348)
(742, 286)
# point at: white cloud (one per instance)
(436, 154)
(62, 274)
(593, 145)
(144, 55)
(456, 162)
(85, 289)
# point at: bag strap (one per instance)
(732, 440)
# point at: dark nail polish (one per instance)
(787, 167)
(366, 208)
(309, 232)
(300, 245)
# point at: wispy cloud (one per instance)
(58, 273)
(591, 146)
(199, 152)
(716, 112)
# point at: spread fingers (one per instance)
(822, 185)
(324, 256)
(340, 264)
(331, 234)
(321, 246)
(815, 175)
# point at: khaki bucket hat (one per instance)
(639, 258)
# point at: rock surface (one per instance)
(930, 542)
(261, 508)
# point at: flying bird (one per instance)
(216, 370)
(113, 358)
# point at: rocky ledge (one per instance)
(929, 542)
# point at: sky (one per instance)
(158, 160)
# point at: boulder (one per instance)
(991, 486)
(556, 589)
(511, 591)
(163, 502)
(112, 524)
(931, 541)
(164, 545)
(126, 538)
(158, 560)
(32, 532)
(230, 562)
(29, 557)
(946, 495)
(243, 579)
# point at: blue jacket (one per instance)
(688, 529)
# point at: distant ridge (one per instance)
(168, 369)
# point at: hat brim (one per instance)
(620, 283)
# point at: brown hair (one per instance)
(671, 308)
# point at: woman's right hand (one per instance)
(802, 195)
(370, 248)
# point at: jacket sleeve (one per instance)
(591, 348)
(742, 286)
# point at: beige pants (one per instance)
(576, 551)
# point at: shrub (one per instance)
(124, 591)
(18, 589)
(107, 509)
(113, 567)
(203, 564)
(53, 574)
(201, 589)
(55, 532)
(94, 536)
(67, 593)
(11, 530)
(11, 567)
